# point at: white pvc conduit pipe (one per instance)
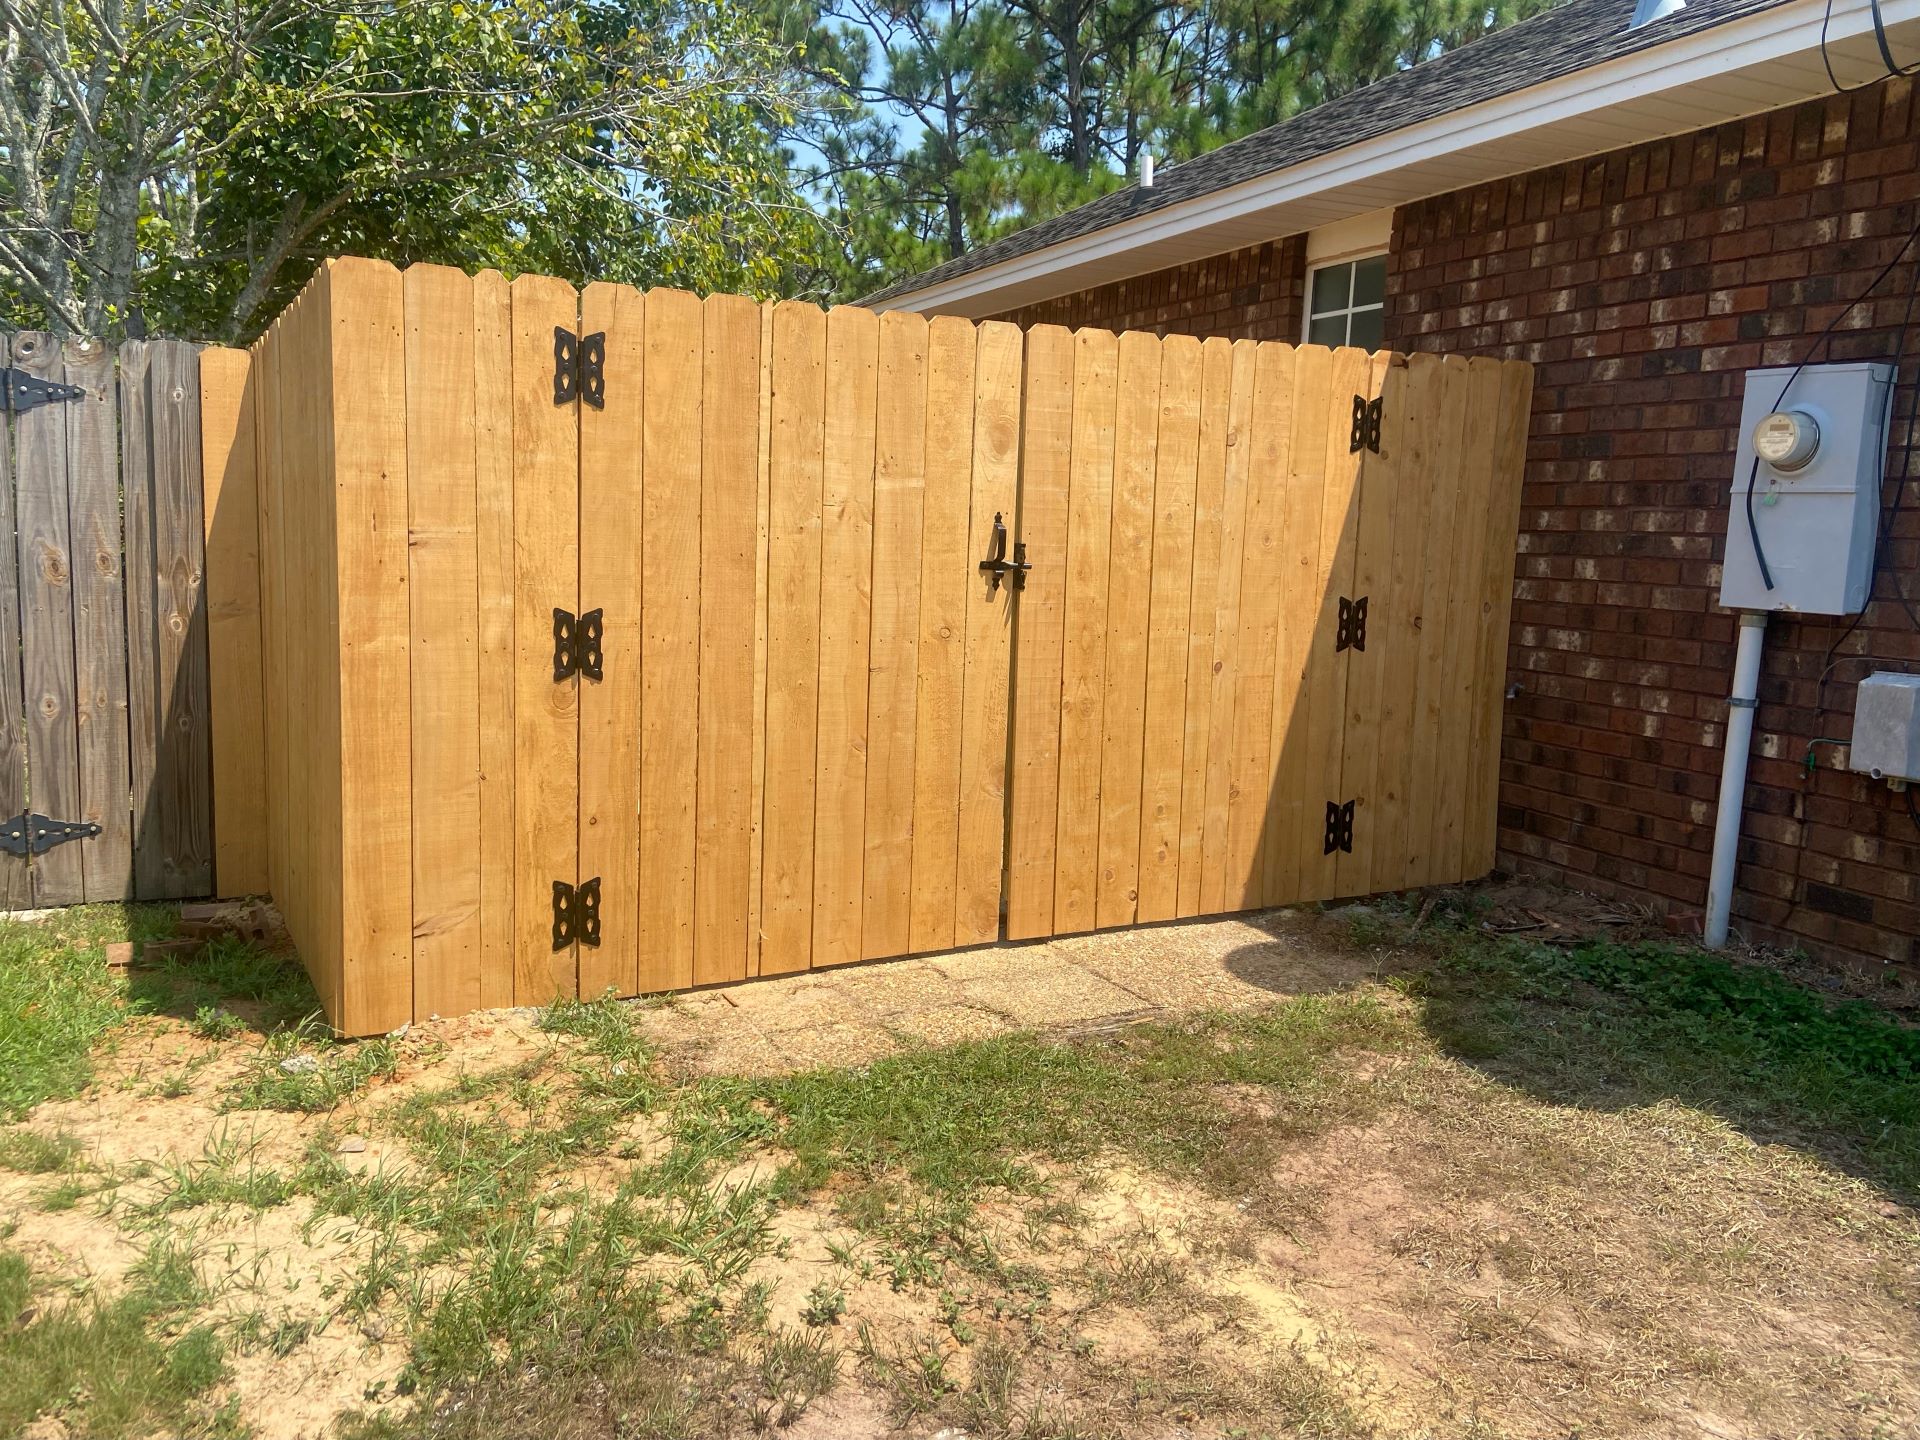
(1733, 775)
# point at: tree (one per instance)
(194, 159)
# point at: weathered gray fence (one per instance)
(106, 770)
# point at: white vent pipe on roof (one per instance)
(1146, 169)
(1645, 12)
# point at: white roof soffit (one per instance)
(1747, 66)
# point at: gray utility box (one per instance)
(1886, 727)
(1817, 512)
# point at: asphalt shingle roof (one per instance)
(1559, 42)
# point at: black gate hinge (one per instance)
(576, 644)
(30, 834)
(579, 367)
(576, 913)
(1352, 631)
(29, 392)
(1366, 425)
(1339, 827)
(996, 565)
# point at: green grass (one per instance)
(304, 1069)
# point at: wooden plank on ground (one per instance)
(1083, 646)
(1503, 519)
(1372, 575)
(1217, 893)
(729, 540)
(846, 608)
(444, 671)
(370, 476)
(670, 640)
(1261, 581)
(16, 883)
(945, 578)
(46, 621)
(99, 619)
(1210, 475)
(893, 646)
(612, 544)
(546, 548)
(493, 532)
(1046, 441)
(797, 401)
(1169, 630)
(991, 416)
(229, 412)
(1129, 594)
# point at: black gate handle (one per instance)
(996, 565)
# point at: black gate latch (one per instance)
(29, 392)
(1366, 425)
(579, 367)
(1339, 827)
(1352, 632)
(997, 565)
(30, 834)
(576, 913)
(576, 644)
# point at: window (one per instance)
(1346, 303)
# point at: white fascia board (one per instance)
(1178, 232)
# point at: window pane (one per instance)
(1328, 330)
(1369, 329)
(1370, 280)
(1330, 286)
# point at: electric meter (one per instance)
(1787, 439)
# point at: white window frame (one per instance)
(1307, 312)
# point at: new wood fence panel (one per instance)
(729, 724)
(1169, 627)
(846, 617)
(1210, 476)
(493, 451)
(263, 363)
(99, 619)
(1047, 427)
(1083, 647)
(797, 402)
(762, 578)
(893, 647)
(947, 580)
(46, 586)
(16, 883)
(444, 666)
(1219, 888)
(229, 412)
(995, 413)
(613, 552)
(546, 547)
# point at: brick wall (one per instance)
(1643, 284)
(1253, 293)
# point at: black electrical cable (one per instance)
(1913, 807)
(1886, 53)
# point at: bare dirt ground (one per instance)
(1393, 1236)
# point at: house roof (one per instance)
(1557, 43)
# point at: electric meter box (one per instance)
(1816, 489)
(1886, 727)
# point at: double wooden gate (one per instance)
(648, 641)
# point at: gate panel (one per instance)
(16, 891)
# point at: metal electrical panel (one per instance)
(1886, 727)
(1815, 489)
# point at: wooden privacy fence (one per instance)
(107, 718)
(626, 642)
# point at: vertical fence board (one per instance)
(846, 609)
(1209, 495)
(612, 553)
(797, 402)
(1169, 627)
(229, 418)
(762, 574)
(444, 656)
(546, 549)
(1219, 889)
(729, 530)
(46, 622)
(893, 648)
(16, 883)
(99, 620)
(493, 451)
(1047, 426)
(947, 580)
